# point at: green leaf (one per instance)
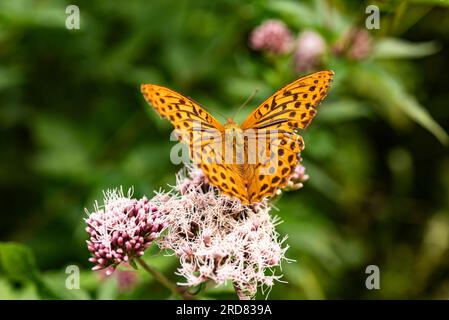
(442, 3)
(384, 88)
(344, 110)
(305, 278)
(220, 289)
(10, 292)
(65, 156)
(393, 48)
(321, 181)
(9, 77)
(25, 12)
(295, 13)
(17, 263)
(56, 281)
(108, 289)
(417, 112)
(133, 264)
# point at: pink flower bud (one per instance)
(272, 36)
(309, 49)
(118, 231)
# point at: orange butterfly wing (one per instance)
(278, 118)
(185, 114)
(293, 106)
(202, 132)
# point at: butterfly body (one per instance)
(253, 160)
(233, 135)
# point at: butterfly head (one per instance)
(233, 132)
(230, 122)
(232, 127)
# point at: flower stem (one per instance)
(240, 294)
(159, 277)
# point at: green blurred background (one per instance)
(73, 122)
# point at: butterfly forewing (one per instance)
(293, 106)
(204, 135)
(193, 124)
(277, 119)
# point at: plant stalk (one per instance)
(159, 277)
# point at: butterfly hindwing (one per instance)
(282, 155)
(225, 176)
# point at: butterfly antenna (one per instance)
(218, 112)
(251, 96)
(210, 109)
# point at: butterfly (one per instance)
(253, 160)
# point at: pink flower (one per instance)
(356, 44)
(297, 178)
(361, 44)
(195, 179)
(272, 36)
(126, 278)
(309, 49)
(220, 239)
(215, 237)
(121, 229)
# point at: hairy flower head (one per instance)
(309, 49)
(121, 229)
(220, 239)
(272, 36)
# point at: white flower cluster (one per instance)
(219, 239)
(215, 237)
